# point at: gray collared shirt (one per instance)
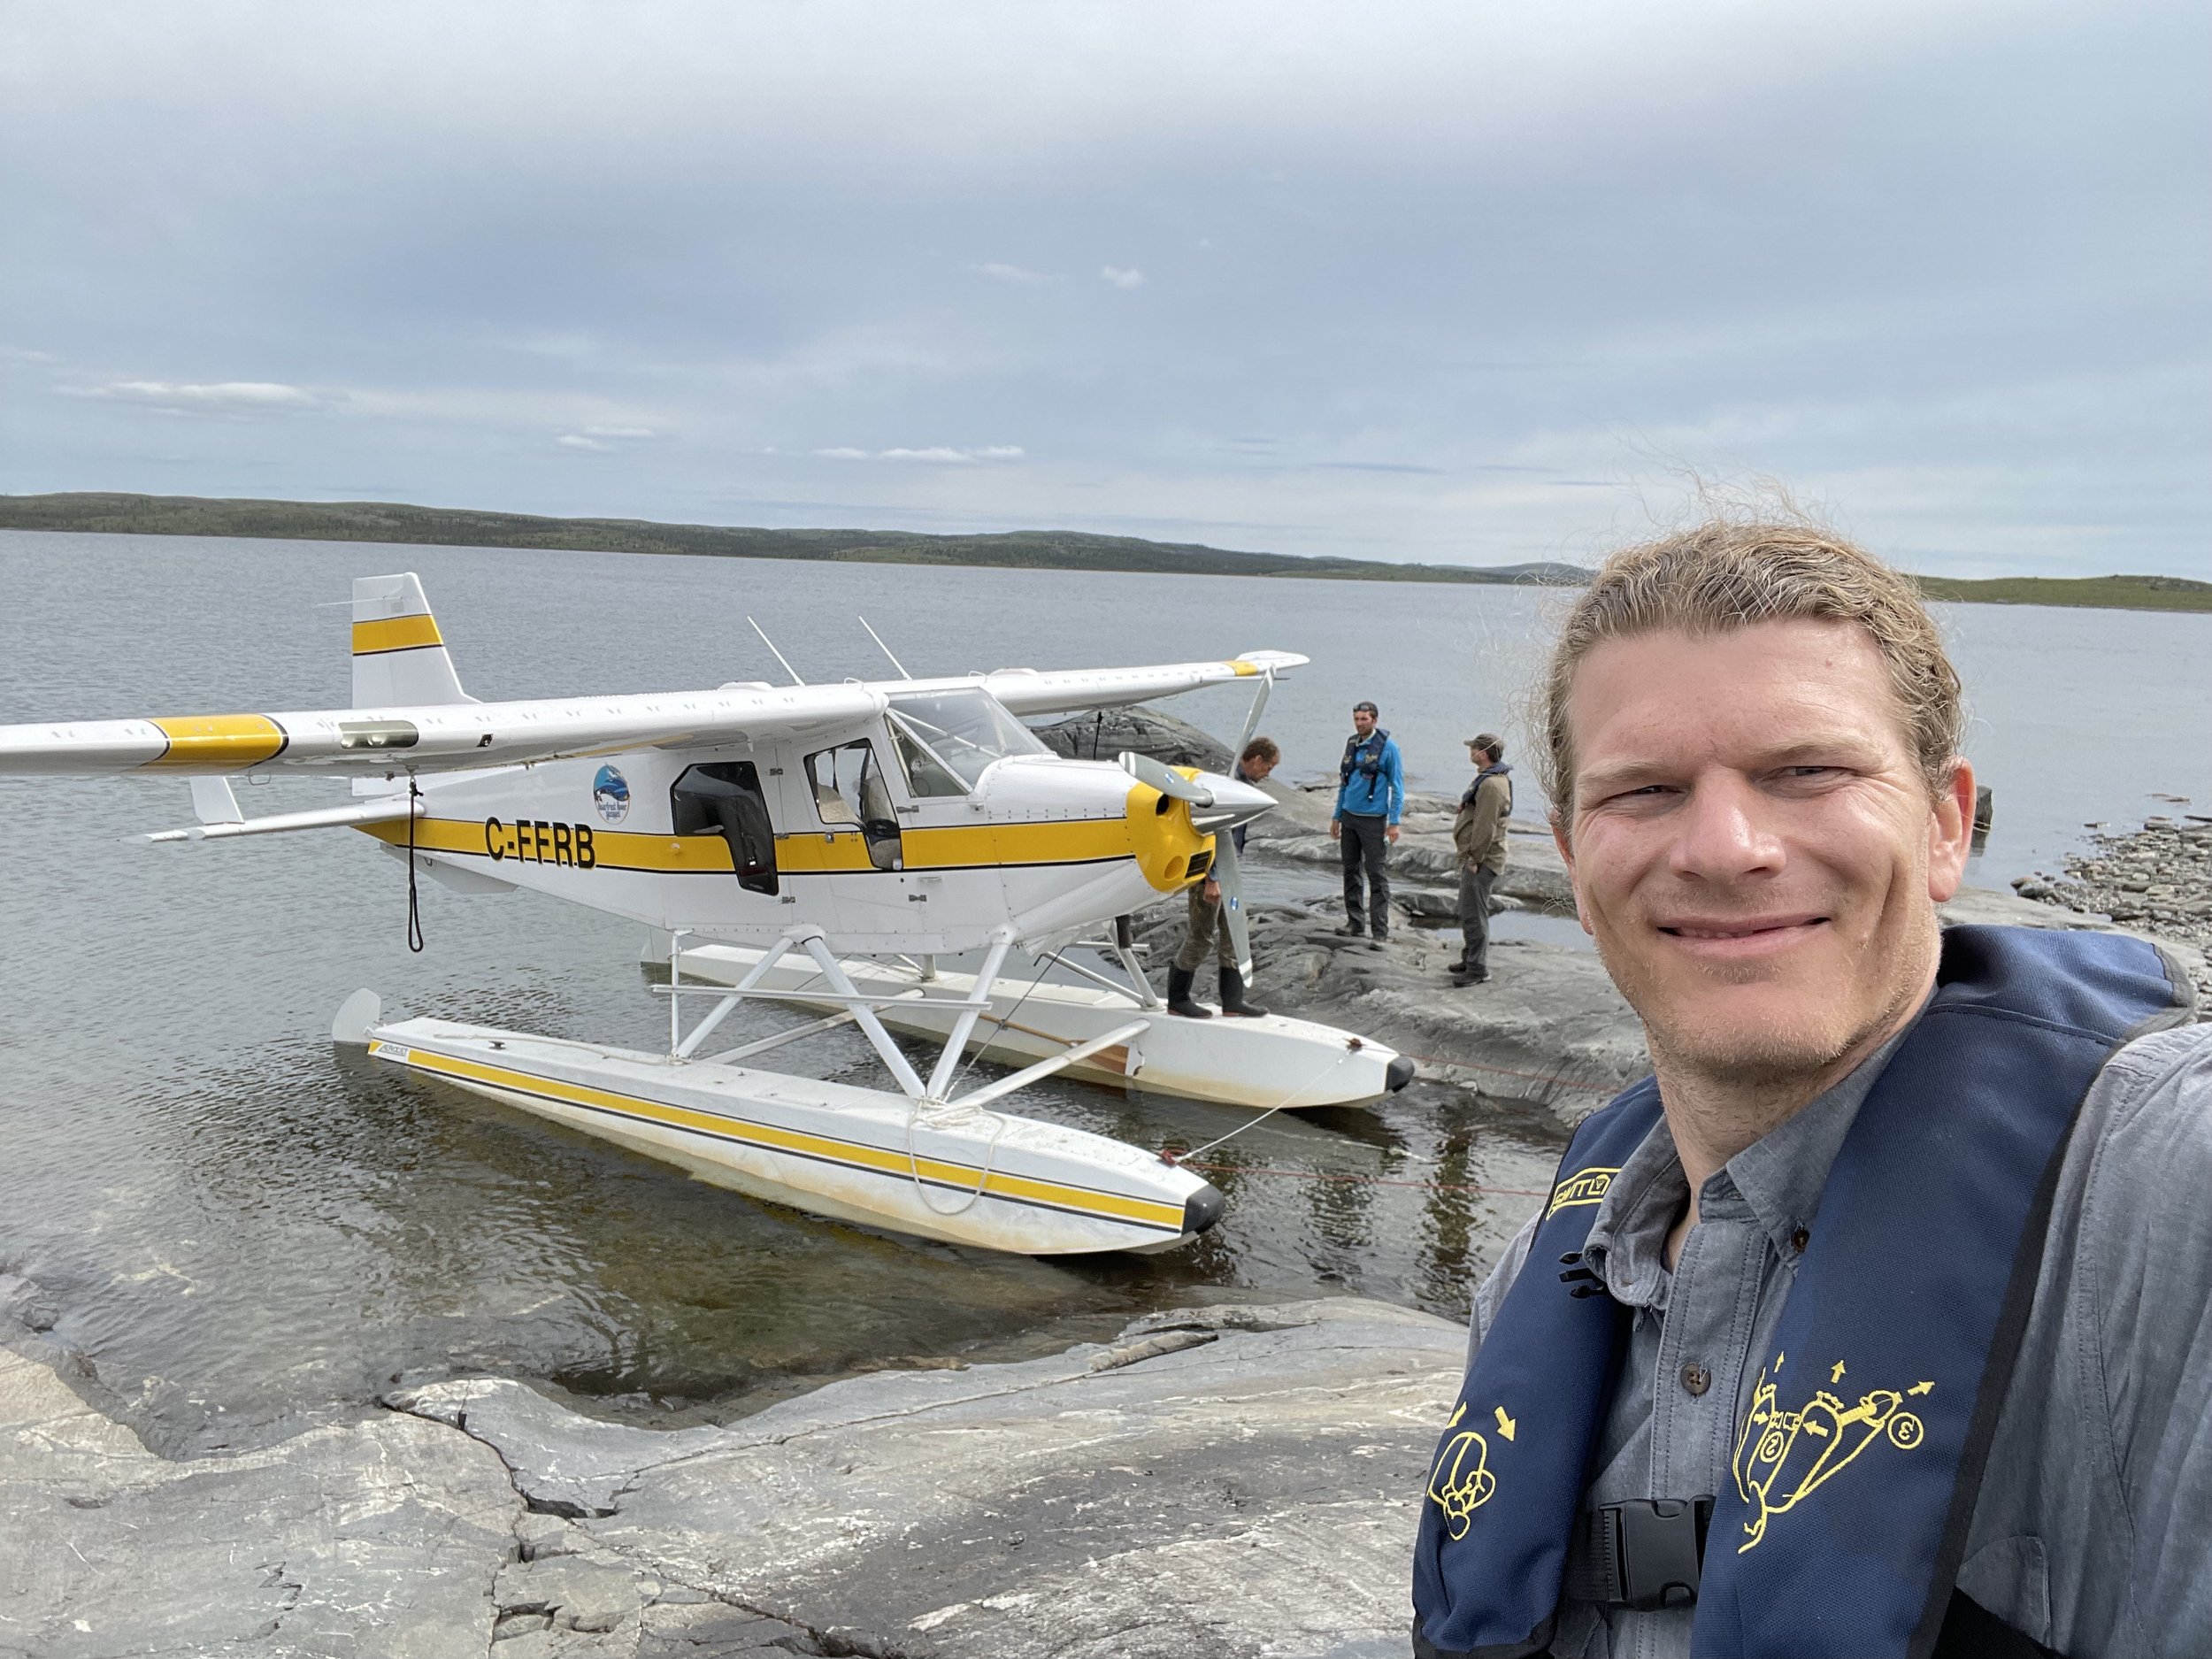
(2093, 1533)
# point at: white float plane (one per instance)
(780, 827)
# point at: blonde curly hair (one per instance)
(1728, 573)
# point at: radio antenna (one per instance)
(772, 651)
(885, 649)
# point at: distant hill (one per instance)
(2114, 593)
(383, 521)
(1045, 549)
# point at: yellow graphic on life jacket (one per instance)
(1584, 1186)
(1783, 1457)
(1462, 1482)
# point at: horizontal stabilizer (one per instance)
(385, 809)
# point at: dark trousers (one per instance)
(1475, 882)
(1366, 848)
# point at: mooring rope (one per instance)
(1349, 1050)
(414, 898)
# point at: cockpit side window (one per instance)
(849, 793)
(724, 798)
(925, 774)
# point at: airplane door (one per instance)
(953, 874)
(862, 845)
(724, 798)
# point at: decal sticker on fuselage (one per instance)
(611, 794)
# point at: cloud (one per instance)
(1122, 279)
(940, 454)
(1013, 273)
(605, 440)
(221, 397)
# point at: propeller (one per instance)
(1166, 779)
(1230, 874)
(1225, 869)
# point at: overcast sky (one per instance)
(1467, 282)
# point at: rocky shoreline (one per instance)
(2157, 878)
(1230, 1481)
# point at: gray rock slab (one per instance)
(1534, 873)
(374, 1539)
(1195, 1488)
(1227, 1481)
(1548, 1028)
(1104, 733)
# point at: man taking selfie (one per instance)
(1873, 1323)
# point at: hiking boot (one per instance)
(1179, 995)
(1352, 929)
(1232, 996)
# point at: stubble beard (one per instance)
(1738, 1054)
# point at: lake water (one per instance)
(240, 1225)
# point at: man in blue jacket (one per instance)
(1370, 798)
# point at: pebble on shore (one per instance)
(2157, 878)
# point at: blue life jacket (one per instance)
(1857, 1466)
(1362, 755)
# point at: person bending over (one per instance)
(1260, 757)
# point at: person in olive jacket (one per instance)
(1478, 835)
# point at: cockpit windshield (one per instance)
(963, 731)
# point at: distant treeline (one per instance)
(382, 521)
(2111, 592)
(1043, 549)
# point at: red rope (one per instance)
(1366, 1180)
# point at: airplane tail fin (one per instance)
(399, 658)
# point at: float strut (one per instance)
(964, 1024)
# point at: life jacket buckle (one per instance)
(1647, 1554)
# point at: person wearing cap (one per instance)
(1370, 797)
(1478, 836)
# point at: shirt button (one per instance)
(1696, 1378)
(1799, 1240)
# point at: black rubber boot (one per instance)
(1232, 996)
(1179, 996)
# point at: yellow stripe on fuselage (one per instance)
(824, 854)
(228, 740)
(1059, 842)
(395, 633)
(1074, 841)
(851, 1154)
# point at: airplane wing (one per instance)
(442, 737)
(1025, 691)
